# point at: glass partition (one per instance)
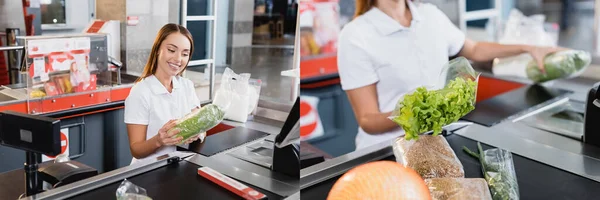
(66, 72)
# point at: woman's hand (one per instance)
(193, 139)
(539, 53)
(165, 137)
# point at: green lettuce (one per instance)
(426, 110)
(198, 121)
(559, 65)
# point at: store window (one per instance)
(53, 12)
(198, 16)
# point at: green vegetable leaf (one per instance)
(195, 123)
(430, 110)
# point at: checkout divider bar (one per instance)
(107, 178)
(247, 175)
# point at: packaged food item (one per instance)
(562, 64)
(458, 189)
(51, 89)
(198, 121)
(499, 172)
(430, 109)
(37, 93)
(431, 156)
(129, 191)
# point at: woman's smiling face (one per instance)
(173, 54)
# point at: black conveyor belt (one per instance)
(536, 180)
(496, 109)
(174, 181)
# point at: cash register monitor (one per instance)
(286, 150)
(289, 132)
(36, 134)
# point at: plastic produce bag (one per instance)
(430, 156)
(458, 189)
(499, 172)
(430, 109)
(235, 89)
(130, 191)
(523, 30)
(530, 30)
(254, 94)
(559, 65)
(198, 122)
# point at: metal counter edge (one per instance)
(101, 180)
(339, 165)
(582, 165)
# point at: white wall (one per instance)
(11, 15)
(78, 17)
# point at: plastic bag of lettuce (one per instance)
(562, 64)
(198, 122)
(427, 109)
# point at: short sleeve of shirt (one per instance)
(136, 106)
(355, 67)
(454, 37)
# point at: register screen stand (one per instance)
(282, 153)
(35, 135)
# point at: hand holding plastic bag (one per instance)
(198, 122)
(559, 65)
(130, 191)
(425, 110)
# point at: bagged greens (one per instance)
(562, 64)
(129, 191)
(458, 189)
(427, 110)
(498, 171)
(198, 121)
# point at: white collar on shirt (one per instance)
(157, 87)
(387, 25)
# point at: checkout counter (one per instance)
(262, 154)
(551, 130)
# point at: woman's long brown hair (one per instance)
(362, 6)
(165, 31)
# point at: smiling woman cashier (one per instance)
(161, 95)
(394, 46)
